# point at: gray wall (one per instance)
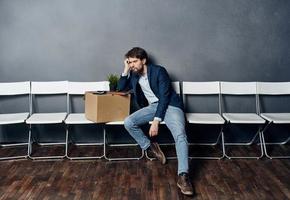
(241, 40)
(196, 40)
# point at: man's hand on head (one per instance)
(126, 66)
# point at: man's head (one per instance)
(137, 59)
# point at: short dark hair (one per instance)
(137, 52)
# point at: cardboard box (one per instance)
(107, 107)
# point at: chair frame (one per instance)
(12, 89)
(118, 123)
(79, 88)
(54, 88)
(242, 88)
(259, 136)
(272, 89)
(198, 89)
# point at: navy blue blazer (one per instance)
(160, 84)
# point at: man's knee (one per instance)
(128, 123)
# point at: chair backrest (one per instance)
(176, 86)
(273, 88)
(15, 88)
(201, 89)
(79, 88)
(49, 88)
(12, 89)
(240, 88)
(279, 92)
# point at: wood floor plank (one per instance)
(142, 180)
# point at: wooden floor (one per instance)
(100, 179)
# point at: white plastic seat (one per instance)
(50, 88)
(162, 122)
(79, 89)
(115, 123)
(46, 118)
(205, 89)
(277, 118)
(243, 118)
(13, 118)
(204, 118)
(10, 90)
(77, 118)
(276, 90)
(243, 89)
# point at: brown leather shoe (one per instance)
(157, 152)
(184, 184)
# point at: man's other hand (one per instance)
(154, 128)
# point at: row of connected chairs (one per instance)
(263, 120)
(222, 117)
(33, 118)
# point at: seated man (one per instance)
(158, 101)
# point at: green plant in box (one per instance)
(113, 80)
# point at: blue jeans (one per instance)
(174, 120)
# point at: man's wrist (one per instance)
(157, 119)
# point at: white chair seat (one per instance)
(77, 118)
(46, 118)
(204, 118)
(243, 118)
(277, 118)
(13, 118)
(115, 123)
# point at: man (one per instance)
(158, 101)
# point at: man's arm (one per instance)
(164, 93)
(124, 80)
(164, 98)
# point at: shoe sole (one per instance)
(164, 158)
(183, 192)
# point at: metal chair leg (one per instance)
(247, 144)
(221, 135)
(14, 145)
(43, 144)
(120, 145)
(85, 144)
(266, 151)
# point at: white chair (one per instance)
(205, 89)
(176, 88)
(119, 123)
(242, 118)
(79, 88)
(278, 90)
(48, 118)
(11, 90)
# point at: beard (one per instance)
(139, 71)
